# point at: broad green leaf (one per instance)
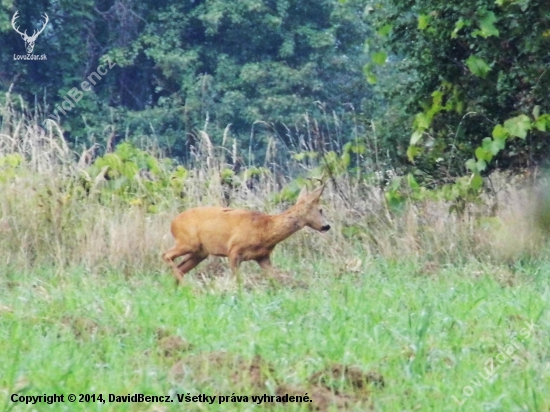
(476, 181)
(458, 25)
(486, 26)
(518, 126)
(499, 132)
(542, 122)
(486, 143)
(483, 154)
(492, 146)
(495, 148)
(422, 121)
(423, 21)
(497, 145)
(413, 184)
(481, 165)
(357, 148)
(384, 30)
(478, 66)
(437, 98)
(379, 57)
(370, 76)
(415, 138)
(480, 153)
(471, 165)
(413, 152)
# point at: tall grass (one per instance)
(421, 296)
(45, 219)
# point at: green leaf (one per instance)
(384, 30)
(422, 121)
(486, 143)
(476, 182)
(481, 165)
(413, 152)
(371, 78)
(478, 66)
(480, 153)
(499, 132)
(500, 143)
(471, 165)
(486, 26)
(518, 126)
(497, 145)
(413, 184)
(542, 122)
(379, 57)
(415, 138)
(458, 26)
(483, 154)
(492, 147)
(423, 21)
(357, 148)
(369, 74)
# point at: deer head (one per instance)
(29, 40)
(311, 210)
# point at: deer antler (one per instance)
(323, 181)
(29, 40)
(35, 34)
(15, 16)
(46, 20)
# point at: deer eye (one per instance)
(321, 211)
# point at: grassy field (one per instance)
(407, 309)
(380, 335)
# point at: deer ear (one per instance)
(302, 196)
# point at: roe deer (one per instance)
(240, 235)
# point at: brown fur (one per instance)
(240, 235)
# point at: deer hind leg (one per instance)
(265, 264)
(235, 259)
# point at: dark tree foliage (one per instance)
(180, 64)
(469, 66)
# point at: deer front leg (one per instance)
(173, 253)
(188, 264)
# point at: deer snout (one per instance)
(325, 228)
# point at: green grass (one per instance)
(427, 332)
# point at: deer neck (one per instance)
(282, 226)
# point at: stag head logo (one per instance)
(29, 40)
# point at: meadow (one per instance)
(419, 338)
(415, 309)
